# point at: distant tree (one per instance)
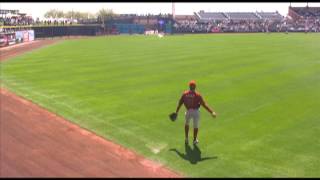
(105, 14)
(87, 15)
(91, 16)
(77, 15)
(84, 15)
(60, 14)
(52, 13)
(70, 14)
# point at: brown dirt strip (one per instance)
(37, 143)
(17, 49)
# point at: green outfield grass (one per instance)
(264, 87)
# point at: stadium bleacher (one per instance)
(307, 11)
(242, 16)
(14, 17)
(302, 13)
(212, 16)
(270, 15)
(209, 16)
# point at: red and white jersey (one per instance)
(191, 99)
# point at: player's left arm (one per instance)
(206, 106)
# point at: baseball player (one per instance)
(192, 101)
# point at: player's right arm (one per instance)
(180, 103)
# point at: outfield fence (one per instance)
(18, 34)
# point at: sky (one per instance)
(37, 10)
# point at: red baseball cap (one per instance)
(192, 82)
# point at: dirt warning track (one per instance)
(15, 50)
(37, 143)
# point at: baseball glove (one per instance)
(173, 116)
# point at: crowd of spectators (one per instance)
(226, 26)
(16, 20)
(21, 21)
(55, 22)
(246, 26)
(307, 11)
(306, 24)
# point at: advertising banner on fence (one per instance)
(3, 40)
(31, 35)
(11, 38)
(25, 36)
(19, 36)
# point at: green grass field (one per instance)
(264, 87)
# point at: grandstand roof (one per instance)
(211, 15)
(184, 17)
(7, 11)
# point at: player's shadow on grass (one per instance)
(192, 155)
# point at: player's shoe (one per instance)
(196, 142)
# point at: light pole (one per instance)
(173, 11)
